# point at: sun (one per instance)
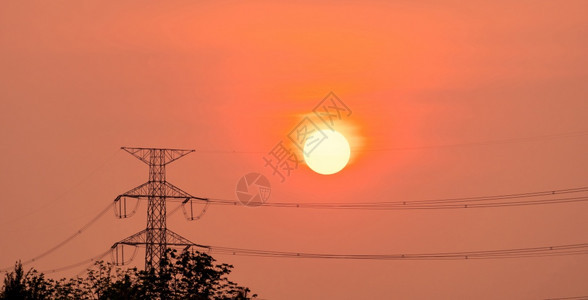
(326, 152)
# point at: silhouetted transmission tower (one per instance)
(156, 237)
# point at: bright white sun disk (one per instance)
(326, 152)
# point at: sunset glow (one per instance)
(349, 129)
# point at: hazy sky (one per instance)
(80, 79)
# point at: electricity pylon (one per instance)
(156, 237)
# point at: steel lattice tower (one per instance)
(156, 237)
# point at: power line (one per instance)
(443, 203)
(559, 250)
(408, 205)
(173, 211)
(530, 252)
(75, 265)
(504, 200)
(67, 240)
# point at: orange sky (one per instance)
(80, 79)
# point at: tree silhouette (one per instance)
(29, 285)
(188, 275)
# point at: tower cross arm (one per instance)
(169, 155)
(171, 239)
(171, 191)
